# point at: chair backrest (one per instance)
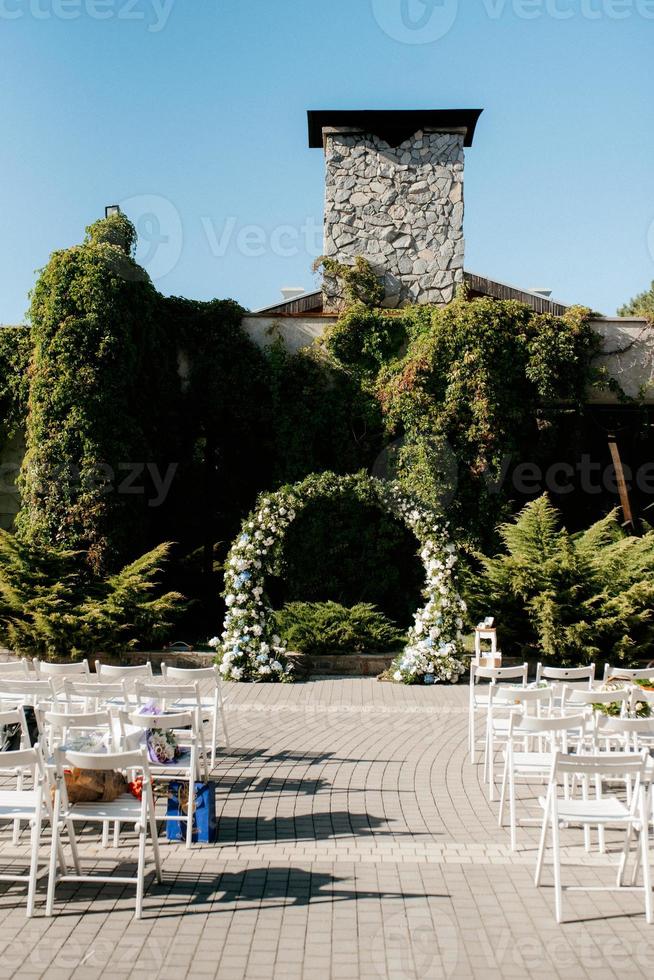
(60, 725)
(110, 673)
(207, 678)
(177, 674)
(627, 726)
(22, 759)
(533, 725)
(44, 668)
(608, 764)
(164, 694)
(572, 697)
(626, 673)
(92, 690)
(543, 672)
(31, 691)
(516, 697)
(496, 674)
(15, 668)
(167, 722)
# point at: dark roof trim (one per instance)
(500, 290)
(311, 303)
(394, 126)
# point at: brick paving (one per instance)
(356, 840)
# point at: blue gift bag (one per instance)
(205, 826)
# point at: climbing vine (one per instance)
(472, 382)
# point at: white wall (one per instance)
(627, 343)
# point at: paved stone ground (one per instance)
(356, 841)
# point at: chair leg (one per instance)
(34, 862)
(491, 768)
(624, 856)
(52, 870)
(16, 831)
(471, 734)
(154, 834)
(223, 721)
(190, 811)
(140, 873)
(556, 856)
(540, 860)
(644, 848)
(500, 816)
(512, 817)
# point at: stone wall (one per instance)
(400, 207)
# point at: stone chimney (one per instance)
(394, 194)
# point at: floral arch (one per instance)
(248, 650)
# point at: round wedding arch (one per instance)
(249, 650)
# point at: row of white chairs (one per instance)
(73, 687)
(46, 802)
(552, 735)
(73, 707)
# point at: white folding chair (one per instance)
(478, 697)
(89, 695)
(60, 671)
(28, 692)
(173, 699)
(126, 809)
(184, 725)
(525, 764)
(31, 805)
(213, 707)
(15, 718)
(504, 701)
(112, 674)
(627, 673)
(608, 811)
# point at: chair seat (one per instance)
(180, 766)
(607, 810)
(17, 803)
(126, 808)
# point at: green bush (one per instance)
(328, 627)
(570, 598)
(53, 605)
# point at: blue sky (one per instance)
(192, 114)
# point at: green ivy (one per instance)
(464, 388)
